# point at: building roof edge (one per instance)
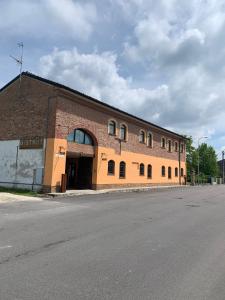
(58, 85)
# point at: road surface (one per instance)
(146, 245)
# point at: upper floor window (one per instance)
(181, 148)
(149, 140)
(122, 169)
(169, 172)
(79, 136)
(149, 171)
(123, 132)
(112, 127)
(142, 169)
(142, 136)
(163, 171)
(176, 172)
(111, 167)
(163, 142)
(169, 143)
(176, 146)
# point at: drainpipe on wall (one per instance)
(179, 165)
(46, 134)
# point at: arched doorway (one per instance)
(79, 161)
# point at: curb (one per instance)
(125, 190)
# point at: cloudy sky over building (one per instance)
(162, 60)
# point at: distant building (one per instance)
(47, 130)
(220, 165)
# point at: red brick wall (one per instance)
(24, 111)
(72, 114)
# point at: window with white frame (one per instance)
(142, 136)
(169, 145)
(123, 132)
(176, 146)
(112, 127)
(150, 140)
(163, 142)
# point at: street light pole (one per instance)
(223, 164)
(203, 137)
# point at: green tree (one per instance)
(191, 158)
(207, 160)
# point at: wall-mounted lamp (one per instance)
(103, 156)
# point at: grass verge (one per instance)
(21, 192)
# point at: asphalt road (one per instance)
(147, 245)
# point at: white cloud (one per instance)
(165, 62)
(47, 18)
(185, 105)
(98, 75)
(181, 43)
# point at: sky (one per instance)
(161, 60)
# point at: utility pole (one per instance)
(223, 152)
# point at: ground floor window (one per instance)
(122, 169)
(142, 169)
(111, 167)
(163, 171)
(149, 171)
(169, 173)
(176, 172)
(182, 172)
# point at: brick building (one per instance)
(47, 129)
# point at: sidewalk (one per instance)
(8, 197)
(118, 190)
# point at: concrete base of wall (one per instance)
(22, 186)
(98, 187)
(50, 189)
(71, 193)
(130, 185)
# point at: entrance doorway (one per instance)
(79, 173)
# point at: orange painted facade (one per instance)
(55, 162)
(56, 154)
(133, 161)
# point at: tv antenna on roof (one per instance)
(19, 61)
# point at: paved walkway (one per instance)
(8, 197)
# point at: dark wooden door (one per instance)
(71, 171)
(84, 173)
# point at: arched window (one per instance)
(123, 132)
(163, 142)
(149, 140)
(181, 148)
(176, 146)
(112, 127)
(163, 171)
(182, 172)
(169, 173)
(111, 167)
(142, 136)
(122, 169)
(169, 143)
(142, 170)
(80, 137)
(176, 172)
(149, 171)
